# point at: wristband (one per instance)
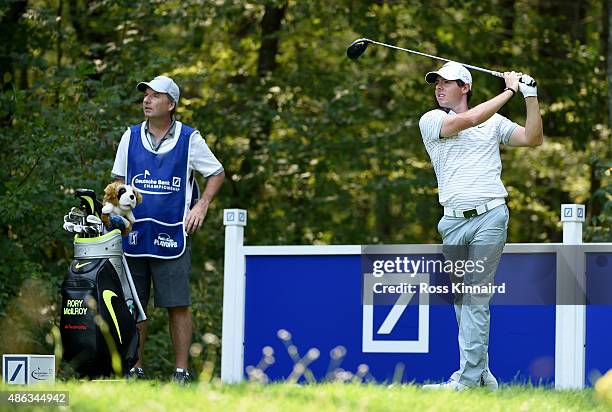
(511, 89)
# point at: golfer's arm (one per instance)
(533, 132)
(475, 116)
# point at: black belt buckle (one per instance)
(470, 213)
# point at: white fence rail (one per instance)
(570, 328)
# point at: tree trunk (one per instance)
(595, 204)
(13, 40)
(60, 38)
(607, 34)
(58, 46)
(270, 26)
(567, 15)
(262, 125)
(507, 12)
(91, 30)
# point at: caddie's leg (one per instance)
(143, 329)
(180, 330)
(141, 275)
(171, 280)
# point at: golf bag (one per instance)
(100, 308)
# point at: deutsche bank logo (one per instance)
(234, 217)
(15, 370)
(567, 212)
(373, 333)
(28, 369)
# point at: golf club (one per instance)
(90, 230)
(94, 220)
(359, 46)
(70, 218)
(76, 218)
(96, 223)
(76, 211)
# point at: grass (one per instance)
(118, 396)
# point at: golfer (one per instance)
(463, 144)
(159, 157)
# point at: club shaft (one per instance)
(469, 66)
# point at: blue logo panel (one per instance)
(316, 302)
(406, 328)
(598, 356)
(15, 370)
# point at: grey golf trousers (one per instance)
(477, 239)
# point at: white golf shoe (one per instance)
(451, 385)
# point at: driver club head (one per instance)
(357, 48)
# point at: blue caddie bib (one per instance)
(161, 178)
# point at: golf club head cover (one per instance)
(112, 222)
(527, 86)
(119, 200)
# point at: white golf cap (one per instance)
(162, 84)
(451, 71)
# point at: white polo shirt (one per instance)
(201, 158)
(468, 166)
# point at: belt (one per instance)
(474, 212)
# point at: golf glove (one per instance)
(527, 86)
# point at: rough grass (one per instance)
(155, 396)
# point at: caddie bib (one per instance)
(161, 178)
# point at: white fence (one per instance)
(570, 325)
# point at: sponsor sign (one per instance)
(28, 369)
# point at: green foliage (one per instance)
(318, 148)
(600, 225)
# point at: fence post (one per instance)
(232, 339)
(570, 328)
